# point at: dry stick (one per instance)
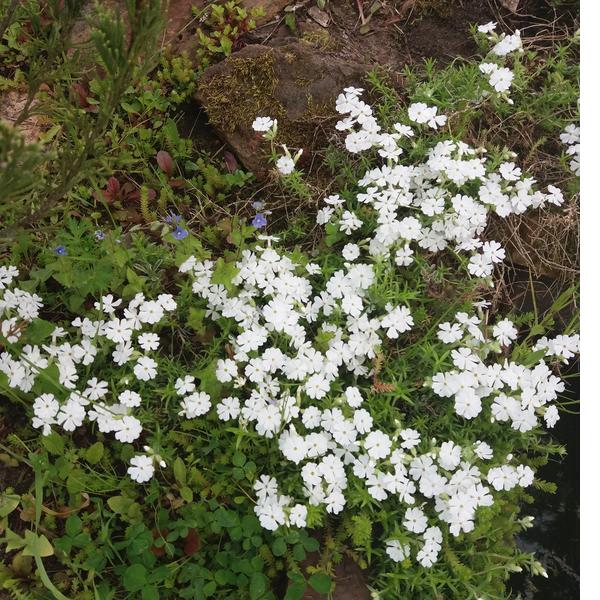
(359, 4)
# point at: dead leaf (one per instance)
(319, 16)
(512, 5)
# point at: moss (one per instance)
(320, 39)
(234, 97)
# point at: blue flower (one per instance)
(259, 221)
(180, 233)
(173, 218)
(60, 250)
(99, 235)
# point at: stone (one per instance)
(296, 83)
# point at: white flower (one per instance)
(398, 320)
(551, 416)
(467, 403)
(285, 165)
(128, 429)
(71, 415)
(362, 421)
(188, 264)
(228, 408)
(353, 397)
(148, 341)
(265, 487)
(483, 450)
(298, 515)
(419, 112)
(145, 368)
(449, 456)
(263, 123)
(151, 311)
(415, 520)
(195, 405)
(96, 389)
(378, 444)
(185, 386)
(487, 28)
(508, 44)
(141, 469)
(505, 332)
(449, 333)
(410, 437)
(350, 252)
(501, 79)
(130, 398)
(397, 551)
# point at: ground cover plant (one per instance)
(198, 407)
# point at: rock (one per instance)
(296, 83)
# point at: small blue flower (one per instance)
(180, 233)
(60, 250)
(99, 235)
(258, 205)
(173, 218)
(259, 221)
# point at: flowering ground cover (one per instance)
(204, 399)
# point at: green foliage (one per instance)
(225, 23)
(52, 63)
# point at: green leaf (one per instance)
(295, 591)
(8, 503)
(94, 453)
(37, 545)
(224, 273)
(310, 544)
(258, 586)
(238, 459)
(179, 471)
(320, 582)
(73, 526)
(196, 319)
(54, 443)
(120, 504)
(187, 494)
(150, 593)
(299, 553)
(39, 330)
(134, 577)
(279, 547)
(533, 357)
(13, 541)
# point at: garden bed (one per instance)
(288, 300)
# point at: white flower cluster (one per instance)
(444, 200)
(91, 340)
(289, 387)
(499, 76)
(299, 358)
(17, 307)
(570, 137)
(513, 392)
